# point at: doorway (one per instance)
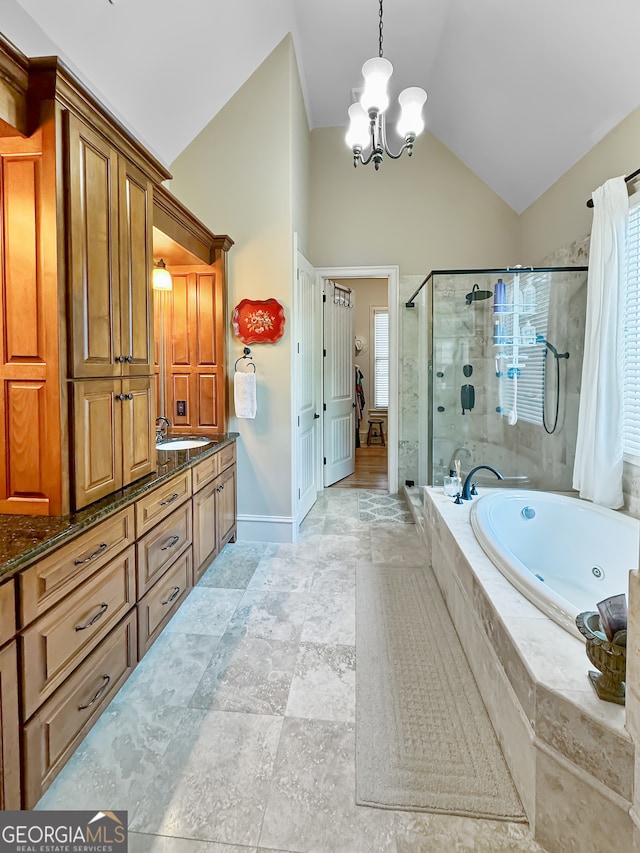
(376, 463)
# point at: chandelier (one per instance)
(366, 117)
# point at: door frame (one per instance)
(392, 274)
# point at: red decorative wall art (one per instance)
(258, 321)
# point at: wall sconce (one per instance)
(161, 277)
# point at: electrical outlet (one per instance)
(181, 408)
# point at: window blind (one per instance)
(534, 298)
(381, 358)
(631, 340)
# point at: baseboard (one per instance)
(266, 528)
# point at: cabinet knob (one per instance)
(129, 396)
(120, 359)
(121, 397)
(128, 359)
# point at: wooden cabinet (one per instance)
(194, 335)
(88, 611)
(214, 510)
(110, 249)
(114, 431)
(9, 729)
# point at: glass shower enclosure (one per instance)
(505, 364)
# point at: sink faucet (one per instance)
(466, 489)
(162, 428)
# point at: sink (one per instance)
(182, 443)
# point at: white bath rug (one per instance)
(424, 741)
(379, 506)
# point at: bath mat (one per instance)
(379, 506)
(424, 741)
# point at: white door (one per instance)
(308, 317)
(339, 421)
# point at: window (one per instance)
(380, 323)
(630, 340)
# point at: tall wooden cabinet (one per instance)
(193, 319)
(76, 203)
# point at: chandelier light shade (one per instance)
(161, 277)
(366, 135)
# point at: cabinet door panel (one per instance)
(97, 422)
(9, 730)
(93, 253)
(135, 265)
(205, 538)
(226, 506)
(138, 428)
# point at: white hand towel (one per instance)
(244, 394)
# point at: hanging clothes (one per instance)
(360, 402)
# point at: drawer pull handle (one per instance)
(175, 592)
(103, 609)
(170, 500)
(171, 543)
(100, 550)
(105, 683)
(220, 488)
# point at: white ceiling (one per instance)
(518, 89)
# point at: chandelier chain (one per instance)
(380, 37)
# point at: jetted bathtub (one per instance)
(563, 554)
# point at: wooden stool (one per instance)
(376, 431)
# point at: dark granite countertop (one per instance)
(25, 538)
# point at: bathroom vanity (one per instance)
(83, 598)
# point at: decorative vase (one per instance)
(610, 658)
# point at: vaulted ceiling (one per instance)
(518, 89)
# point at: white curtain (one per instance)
(597, 472)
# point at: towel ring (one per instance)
(246, 354)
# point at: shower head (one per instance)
(476, 294)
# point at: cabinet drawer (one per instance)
(50, 579)
(7, 612)
(54, 732)
(161, 502)
(162, 545)
(204, 472)
(226, 457)
(54, 645)
(162, 601)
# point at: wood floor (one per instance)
(371, 470)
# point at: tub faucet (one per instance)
(466, 489)
(162, 428)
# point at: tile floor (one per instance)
(235, 734)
